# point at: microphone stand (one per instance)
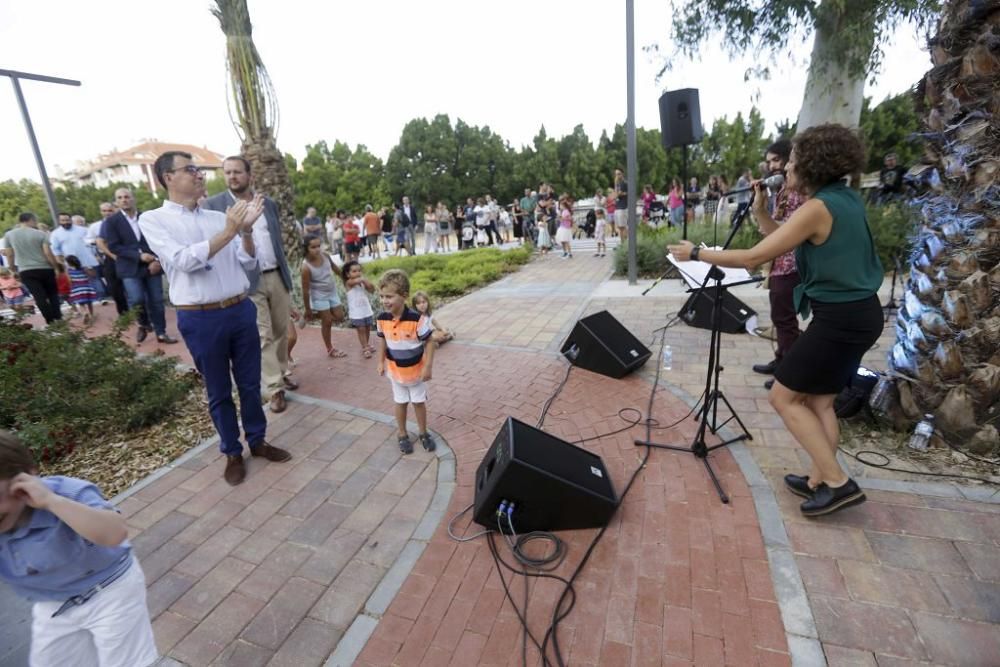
(713, 395)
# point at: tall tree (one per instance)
(848, 41)
(253, 106)
(731, 146)
(891, 127)
(948, 328)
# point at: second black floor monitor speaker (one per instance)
(680, 118)
(697, 311)
(601, 344)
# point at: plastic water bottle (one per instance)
(668, 358)
(922, 433)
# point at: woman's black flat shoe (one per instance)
(826, 500)
(799, 485)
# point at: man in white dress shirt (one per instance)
(270, 281)
(206, 255)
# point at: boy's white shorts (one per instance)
(111, 629)
(409, 393)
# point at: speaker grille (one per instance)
(557, 457)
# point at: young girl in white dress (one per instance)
(544, 241)
(422, 304)
(359, 308)
(600, 233)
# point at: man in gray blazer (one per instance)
(270, 282)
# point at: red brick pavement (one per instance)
(678, 578)
(677, 574)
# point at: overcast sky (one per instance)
(357, 71)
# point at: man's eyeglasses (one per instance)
(189, 168)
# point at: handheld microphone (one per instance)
(772, 182)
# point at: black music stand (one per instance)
(713, 395)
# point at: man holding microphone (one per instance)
(784, 275)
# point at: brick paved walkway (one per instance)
(911, 576)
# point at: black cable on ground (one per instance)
(885, 466)
(552, 398)
(552, 560)
(557, 616)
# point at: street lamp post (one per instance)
(630, 160)
(15, 78)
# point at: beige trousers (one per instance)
(273, 303)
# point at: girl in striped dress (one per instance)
(81, 290)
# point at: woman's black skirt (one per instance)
(827, 354)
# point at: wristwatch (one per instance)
(694, 253)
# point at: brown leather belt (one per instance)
(215, 305)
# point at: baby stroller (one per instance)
(468, 235)
(657, 213)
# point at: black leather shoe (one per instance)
(236, 470)
(768, 384)
(766, 369)
(270, 452)
(166, 340)
(826, 500)
(799, 485)
(141, 334)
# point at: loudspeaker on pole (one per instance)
(680, 118)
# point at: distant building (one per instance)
(135, 165)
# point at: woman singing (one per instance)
(841, 274)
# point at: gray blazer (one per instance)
(224, 200)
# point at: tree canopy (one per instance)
(769, 26)
(849, 39)
(892, 127)
(437, 160)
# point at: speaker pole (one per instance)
(713, 395)
(684, 187)
(630, 158)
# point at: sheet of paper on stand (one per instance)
(694, 273)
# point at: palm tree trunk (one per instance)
(254, 111)
(947, 353)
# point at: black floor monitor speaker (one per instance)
(553, 485)
(697, 311)
(601, 344)
(680, 118)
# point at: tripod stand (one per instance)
(713, 395)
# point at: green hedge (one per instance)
(57, 387)
(454, 274)
(651, 250)
(892, 225)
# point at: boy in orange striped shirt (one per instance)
(404, 355)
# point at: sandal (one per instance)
(405, 444)
(367, 353)
(428, 442)
(335, 353)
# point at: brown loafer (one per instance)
(278, 402)
(236, 470)
(290, 384)
(270, 452)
